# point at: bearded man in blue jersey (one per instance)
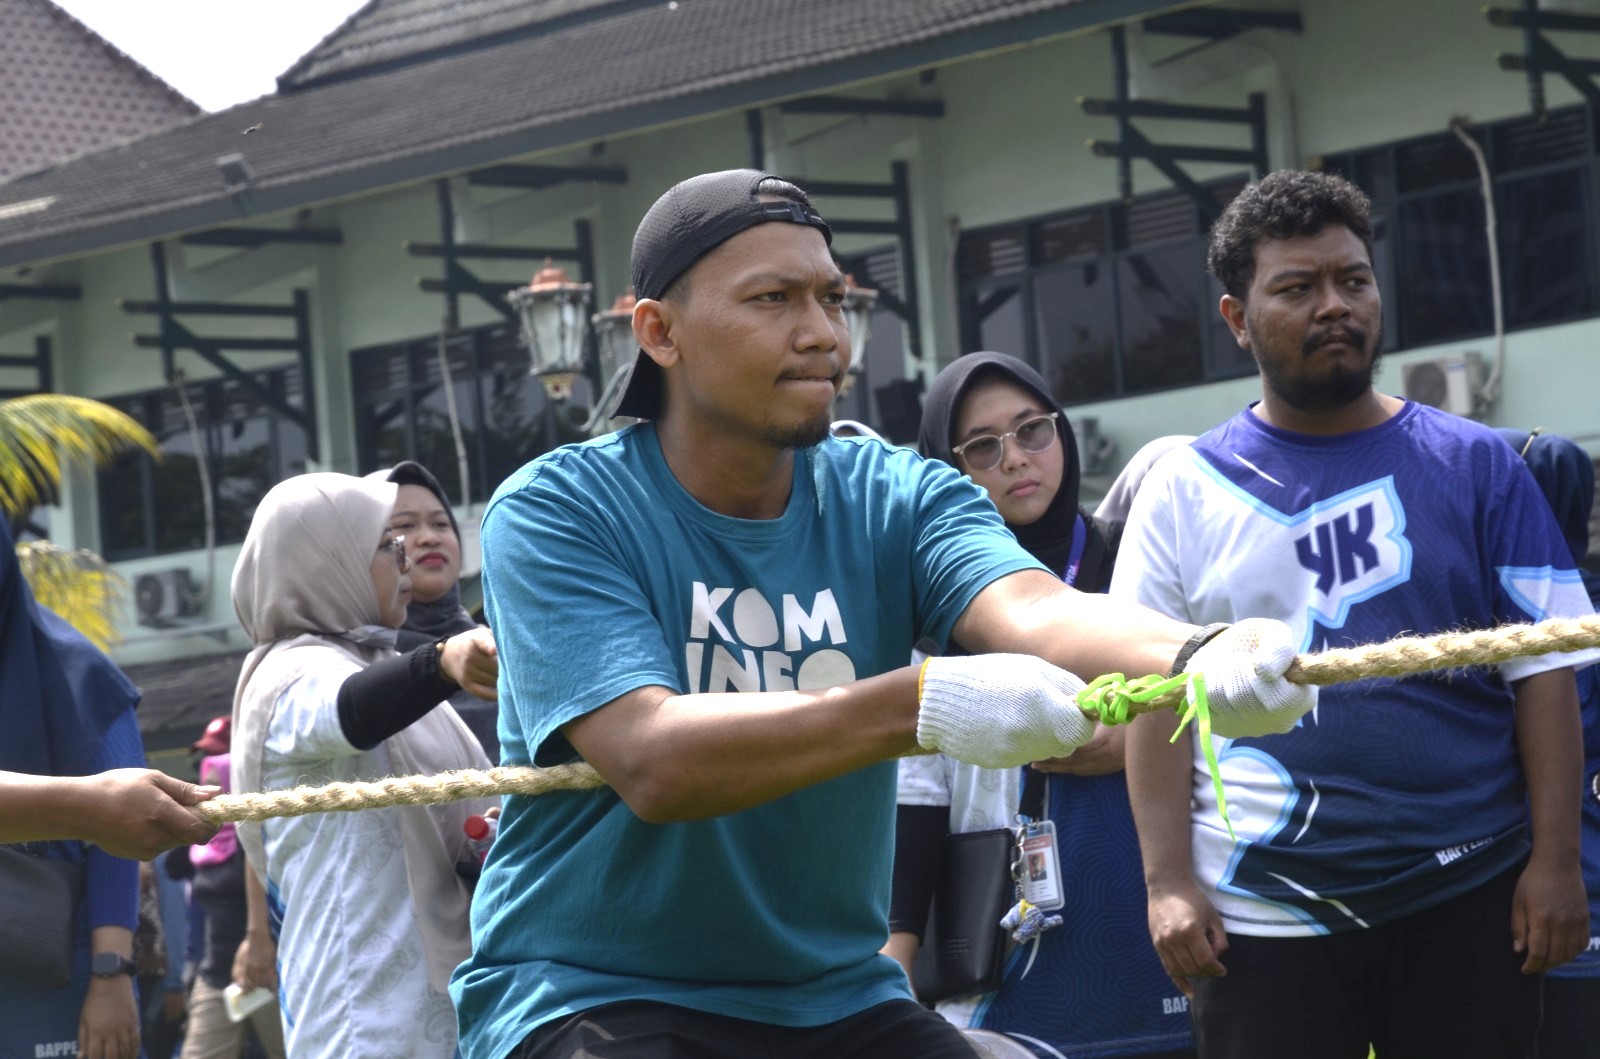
(1403, 865)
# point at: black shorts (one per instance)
(638, 1029)
(1442, 983)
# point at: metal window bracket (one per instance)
(1540, 56)
(898, 191)
(39, 362)
(53, 291)
(255, 238)
(905, 108)
(1213, 24)
(538, 177)
(172, 336)
(459, 280)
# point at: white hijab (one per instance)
(303, 591)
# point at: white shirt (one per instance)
(352, 972)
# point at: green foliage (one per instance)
(41, 436)
(78, 585)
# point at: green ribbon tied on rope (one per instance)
(1113, 697)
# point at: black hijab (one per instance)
(1565, 475)
(1048, 538)
(445, 616)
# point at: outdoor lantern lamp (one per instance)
(615, 328)
(554, 326)
(859, 302)
(617, 352)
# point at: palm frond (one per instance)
(41, 435)
(78, 585)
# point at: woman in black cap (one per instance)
(1092, 985)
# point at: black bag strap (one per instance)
(1099, 554)
(1032, 805)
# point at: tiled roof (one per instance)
(65, 91)
(387, 32)
(579, 81)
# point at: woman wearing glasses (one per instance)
(370, 911)
(1093, 985)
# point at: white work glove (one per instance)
(997, 711)
(1243, 667)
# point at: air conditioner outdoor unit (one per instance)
(163, 596)
(1453, 383)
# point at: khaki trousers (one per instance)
(212, 1035)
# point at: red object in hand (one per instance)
(480, 833)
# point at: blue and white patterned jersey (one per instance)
(1393, 795)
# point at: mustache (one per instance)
(1355, 336)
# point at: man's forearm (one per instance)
(1030, 612)
(691, 757)
(129, 812)
(257, 918)
(34, 808)
(1550, 745)
(1159, 789)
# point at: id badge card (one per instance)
(1040, 870)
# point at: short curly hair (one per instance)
(1288, 204)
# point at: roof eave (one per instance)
(432, 164)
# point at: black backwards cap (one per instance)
(692, 219)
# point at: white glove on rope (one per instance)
(999, 710)
(1243, 667)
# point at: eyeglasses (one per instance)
(984, 452)
(397, 545)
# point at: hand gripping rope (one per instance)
(1112, 699)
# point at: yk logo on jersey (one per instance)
(1355, 546)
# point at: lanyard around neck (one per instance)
(1080, 536)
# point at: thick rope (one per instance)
(1399, 657)
(1450, 650)
(1110, 701)
(396, 790)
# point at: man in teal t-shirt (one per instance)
(714, 609)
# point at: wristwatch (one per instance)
(1199, 639)
(438, 661)
(109, 965)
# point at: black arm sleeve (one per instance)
(919, 833)
(391, 695)
(408, 640)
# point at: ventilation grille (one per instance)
(1432, 162)
(1524, 144)
(995, 252)
(1155, 219)
(1066, 237)
(879, 269)
(379, 370)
